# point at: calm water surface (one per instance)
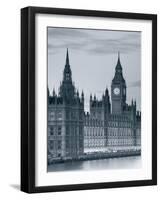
(133, 162)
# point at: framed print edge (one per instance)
(154, 99)
(24, 101)
(28, 99)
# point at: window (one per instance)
(67, 143)
(80, 116)
(67, 76)
(51, 115)
(51, 133)
(67, 130)
(51, 130)
(73, 115)
(59, 144)
(59, 130)
(67, 114)
(51, 144)
(80, 143)
(59, 115)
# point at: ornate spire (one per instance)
(67, 70)
(54, 92)
(90, 97)
(67, 58)
(77, 93)
(82, 94)
(106, 92)
(118, 66)
(67, 89)
(94, 97)
(118, 71)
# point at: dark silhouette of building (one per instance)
(65, 119)
(71, 130)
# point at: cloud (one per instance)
(135, 84)
(66, 32)
(93, 41)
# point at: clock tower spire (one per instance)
(67, 74)
(118, 89)
(67, 89)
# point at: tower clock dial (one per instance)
(116, 91)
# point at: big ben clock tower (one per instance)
(118, 90)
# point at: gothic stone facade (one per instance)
(71, 130)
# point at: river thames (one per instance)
(132, 162)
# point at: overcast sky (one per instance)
(93, 56)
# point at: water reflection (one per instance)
(133, 162)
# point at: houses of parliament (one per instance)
(110, 122)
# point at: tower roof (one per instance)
(67, 65)
(118, 72)
(67, 70)
(67, 58)
(118, 65)
(67, 89)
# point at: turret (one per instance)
(90, 97)
(67, 89)
(82, 96)
(133, 110)
(106, 106)
(54, 94)
(94, 97)
(135, 103)
(67, 71)
(118, 89)
(106, 93)
(77, 94)
(48, 92)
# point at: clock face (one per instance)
(116, 91)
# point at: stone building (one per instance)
(116, 126)
(108, 124)
(65, 119)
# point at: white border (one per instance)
(145, 172)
